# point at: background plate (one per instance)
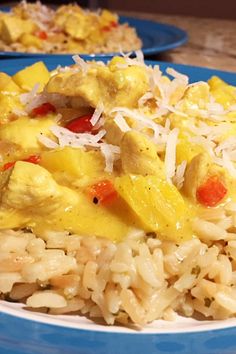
(156, 37)
(24, 332)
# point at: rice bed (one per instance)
(138, 280)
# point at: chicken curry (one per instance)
(101, 150)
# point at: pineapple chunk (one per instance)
(11, 29)
(7, 84)
(8, 103)
(28, 77)
(29, 40)
(185, 150)
(222, 92)
(29, 130)
(158, 205)
(75, 162)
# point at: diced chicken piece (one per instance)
(63, 12)
(31, 186)
(199, 170)
(196, 173)
(139, 155)
(79, 26)
(113, 133)
(112, 86)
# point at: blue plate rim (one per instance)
(67, 60)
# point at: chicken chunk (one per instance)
(139, 155)
(79, 26)
(113, 133)
(195, 173)
(32, 186)
(112, 86)
(199, 170)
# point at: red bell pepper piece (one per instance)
(42, 110)
(103, 192)
(80, 125)
(42, 35)
(32, 159)
(211, 192)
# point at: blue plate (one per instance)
(195, 73)
(24, 332)
(156, 38)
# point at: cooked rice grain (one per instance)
(139, 280)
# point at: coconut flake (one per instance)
(81, 63)
(198, 83)
(19, 112)
(178, 178)
(145, 122)
(139, 56)
(26, 98)
(109, 152)
(68, 138)
(228, 164)
(97, 114)
(147, 96)
(177, 75)
(49, 143)
(121, 123)
(170, 155)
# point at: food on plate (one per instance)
(36, 28)
(118, 192)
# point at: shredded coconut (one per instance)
(139, 56)
(19, 112)
(67, 138)
(25, 98)
(147, 96)
(228, 164)
(97, 114)
(177, 75)
(142, 119)
(109, 152)
(49, 143)
(178, 178)
(170, 155)
(121, 123)
(81, 63)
